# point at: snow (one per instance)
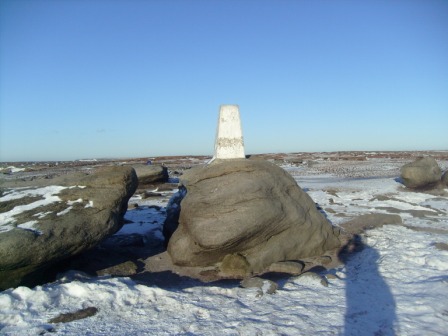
(12, 169)
(29, 226)
(396, 285)
(46, 195)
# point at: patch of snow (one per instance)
(30, 226)
(79, 200)
(18, 193)
(65, 211)
(144, 220)
(12, 169)
(49, 194)
(436, 203)
(41, 215)
(15, 170)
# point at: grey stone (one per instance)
(314, 277)
(149, 174)
(422, 173)
(265, 286)
(288, 267)
(247, 208)
(89, 208)
(331, 276)
(126, 268)
(441, 246)
(74, 316)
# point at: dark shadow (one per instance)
(171, 281)
(370, 303)
(399, 180)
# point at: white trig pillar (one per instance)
(229, 135)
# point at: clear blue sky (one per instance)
(95, 79)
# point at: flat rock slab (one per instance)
(370, 221)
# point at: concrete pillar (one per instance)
(229, 135)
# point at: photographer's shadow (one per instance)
(370, 304)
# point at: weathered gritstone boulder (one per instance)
(422, 173)
(244, 215)
(40, 226)
(148, 174)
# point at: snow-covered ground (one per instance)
(396, 285)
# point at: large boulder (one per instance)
(244, 215)
(149, 174)
(422, 173)
(42, 225)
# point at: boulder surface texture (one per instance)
(148, 174)
(42, 225)
(445, 178)
(422, 173)
(243, 215)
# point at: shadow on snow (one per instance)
(370, 304)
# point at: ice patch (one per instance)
(438, 203)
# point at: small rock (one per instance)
(315, 277)
(265, 286)
(148, 194)
(331, 276)
(324, 282)
(235, 265)
(325, 260)
(288, 267)
(124, 269)
(77, 315)
(441, 246)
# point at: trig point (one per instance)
(229, 135)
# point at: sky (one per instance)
(102, 79)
